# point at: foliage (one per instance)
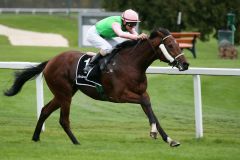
(205, 16)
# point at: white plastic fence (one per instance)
(39, 82)
(195, 72)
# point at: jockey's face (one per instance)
(129, 25)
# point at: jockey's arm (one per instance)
(117, 29)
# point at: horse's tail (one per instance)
(23, 76)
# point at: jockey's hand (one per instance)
(142, 36)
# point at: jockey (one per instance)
(102, 33)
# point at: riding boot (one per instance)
(93, 61)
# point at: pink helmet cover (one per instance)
(130, 16)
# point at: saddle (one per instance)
(92, 78)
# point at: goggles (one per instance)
(131, 24)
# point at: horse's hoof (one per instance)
(174, 144)
(153, 135)
(35, 139)
(76, 143)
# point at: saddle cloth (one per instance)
(92, 78)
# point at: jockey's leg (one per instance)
(97, 41)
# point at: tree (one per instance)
(205, 16)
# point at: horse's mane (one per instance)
(130, 43)
(125, 44)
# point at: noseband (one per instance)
(172, 60)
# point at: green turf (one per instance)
(120, 131)
(4, 41)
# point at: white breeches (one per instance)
(106, 45)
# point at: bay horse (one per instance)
(123, 79)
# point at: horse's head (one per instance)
(168, 49)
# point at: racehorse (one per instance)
(123, 79)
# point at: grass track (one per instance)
(120, 131)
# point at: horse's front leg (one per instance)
(155, 125)
(146, 106)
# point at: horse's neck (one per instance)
(143, 56)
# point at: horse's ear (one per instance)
(154, 33)
(161, 34)
(164, 31)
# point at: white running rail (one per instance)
(39, 82)
(195, 72)
(50, 11)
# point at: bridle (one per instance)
(172, 60)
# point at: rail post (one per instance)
(198, 106)
(40, 100)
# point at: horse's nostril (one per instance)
(185, 65)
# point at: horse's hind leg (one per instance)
(45, 113)
(64, 119)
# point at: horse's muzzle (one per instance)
(182, 66)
